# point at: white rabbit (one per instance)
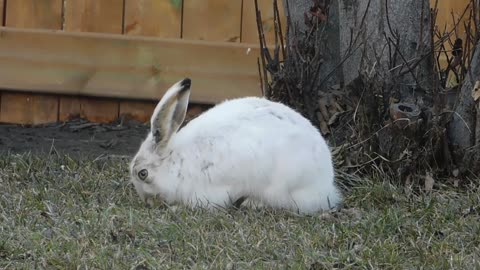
(242, 148)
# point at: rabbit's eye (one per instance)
(143, 174)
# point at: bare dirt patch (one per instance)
(76, 138)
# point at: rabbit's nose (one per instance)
(186, 83)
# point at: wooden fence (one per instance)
(100, 59)
(127, 49)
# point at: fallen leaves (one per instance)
(429, 182)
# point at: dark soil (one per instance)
(76, 138)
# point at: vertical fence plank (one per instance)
(105, 16)
(249, 20)
(444, 19)
(216, 20)
(2, 11)
(16, 108)
(99, 109)
(138, 110)
(158, 18)
(69, 108)
(25, 108)
(45, 14)
(91, 108)
(101, 16)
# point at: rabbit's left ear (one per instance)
(170, 113)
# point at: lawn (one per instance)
(60, 213)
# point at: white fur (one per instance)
(243, 147)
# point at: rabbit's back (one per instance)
(245, 113)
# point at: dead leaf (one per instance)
(323, 124)
(334, 118)
(332, 109)
(322, 104)
(339, 108)
(476, 91)
(335, 87)
(408, 180)
(429, 181)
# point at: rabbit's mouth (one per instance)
(151, 200)
(150, 195)
(146, 195)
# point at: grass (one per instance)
(59, 213)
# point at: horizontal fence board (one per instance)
(123, 66)
(158, 18)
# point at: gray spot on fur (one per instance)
(181, 162)
(206, 165)
(276, 115)
(204, 169)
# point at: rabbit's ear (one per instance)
(170, 112)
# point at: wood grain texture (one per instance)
(99, 110)
(445, 9)
(44, 14)
(216, 20)
(103, 16)
(444, 19)
(124, 66)
(23, 108)
(2, 9)
(249, 20)
(69, 108)
(138, 110)
(195, 110)
(28, 108)
(91, 108)
(158, 18)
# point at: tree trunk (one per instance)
(386, 38)
(374, 88)
(369, 39)
(330, 72)
(464, 133)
